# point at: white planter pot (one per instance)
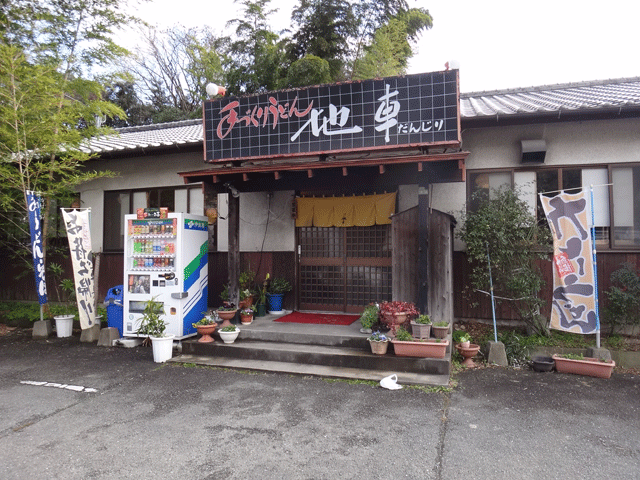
(229, 337)
(64, 325)
(162, 348)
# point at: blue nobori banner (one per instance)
(35, 226)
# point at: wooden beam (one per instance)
(233, 259)
(462, 166)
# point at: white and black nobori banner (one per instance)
(35, 226)
(79, 236)
(573, 307)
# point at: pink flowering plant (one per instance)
(407, 308)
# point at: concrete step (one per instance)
(404, 378)
(330, 356)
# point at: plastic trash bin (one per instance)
(113, 301)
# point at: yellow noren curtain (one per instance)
(362, 211)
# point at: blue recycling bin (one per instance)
(113, 301)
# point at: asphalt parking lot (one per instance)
(70, 410)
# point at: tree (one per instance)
(121, 92)
(255, 61)
(390, 49)
(324, 29)
(172, 68)
(309, 70)
(503, 227)
(48, 108)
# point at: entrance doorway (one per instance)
(343, 269)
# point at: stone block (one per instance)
(90, 334)
(496, 354)
(42, 329)
(600, 353)
(107, 336)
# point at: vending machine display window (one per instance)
(139, 284)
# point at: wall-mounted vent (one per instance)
(533, 151)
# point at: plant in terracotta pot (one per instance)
(464, 340)
(421, 326)
(440, 329)
(580, 365)
(226, 312)
(229, 333)
(246, 315)
(154, 327)
(379, 343)
(405, 345)
(397, 313)
(276, 291)
(245, 284)
(205, 327)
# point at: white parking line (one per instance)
(75, 388)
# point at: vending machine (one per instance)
(165, 258)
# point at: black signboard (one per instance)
(391, 112)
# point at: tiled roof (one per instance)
(148, 136)
(568, 97)
(534, 101)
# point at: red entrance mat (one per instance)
(318, 318)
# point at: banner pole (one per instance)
(493, 303)
(595, 270)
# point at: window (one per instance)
(550, 181)
(119, 203)
(626, 205)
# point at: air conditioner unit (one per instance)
(533, 151)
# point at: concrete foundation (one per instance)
(495, 354)
(42, 329)
(107, 336)
(90, 334)
(601, 353)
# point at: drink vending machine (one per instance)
(165, 258)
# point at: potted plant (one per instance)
(580, 365)
(229, 333)
(397, 313)
(369, 317)
(440, 329)
(405, 345)
(379, 343)
(421, 326)
(205, 327)
(154, 327)
(245, 282)
(276, 291)
(246, 315)
(226, 312)
(464, 340)
(64, 321)
(261, 307)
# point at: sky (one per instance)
(497, 44)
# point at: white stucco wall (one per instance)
(132, 173)
(262, 219)
(593, 142)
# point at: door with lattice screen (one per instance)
(343, 269)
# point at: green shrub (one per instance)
(623, 307)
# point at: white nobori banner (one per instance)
(79, 236)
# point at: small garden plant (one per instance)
(423, 320)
